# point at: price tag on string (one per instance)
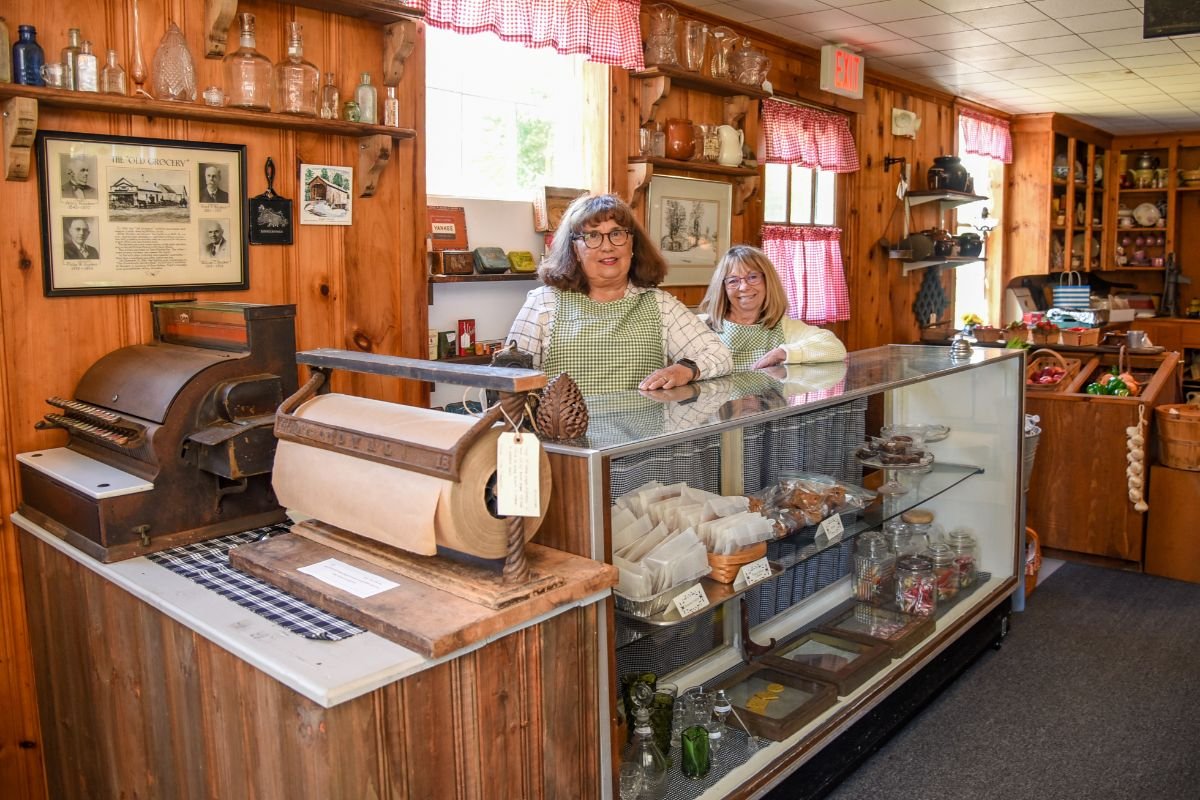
(753, 572)
(831, 528)
(693, 601)
(518, 490)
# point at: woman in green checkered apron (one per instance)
(746, 306)
(600, 317)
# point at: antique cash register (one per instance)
(169, 442)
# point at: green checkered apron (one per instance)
(605, 347)
(749, 343)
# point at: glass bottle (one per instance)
(87, 73)
(330, 98)
(945, 572)
(648, 763)
(248, 72)
(5, 54)
(296, 79)
(915, 591)
(367, 99)
(966, 556)
(716, 727)
(920, 529)
(350, 112)
(874, 568)
(172, 71)
(27, 57)
(70, 57)
(391, 108)
(696, 758)
(112, 77)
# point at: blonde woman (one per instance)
(747, 308)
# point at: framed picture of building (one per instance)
(328, 195)
(688, 221)
(122, 215)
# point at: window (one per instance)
(503, 120)
(795, 195)
(971, 291)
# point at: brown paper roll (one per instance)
(389, 504)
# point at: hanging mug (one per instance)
(731, 146)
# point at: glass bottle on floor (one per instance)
(248, 72)
(296, 79)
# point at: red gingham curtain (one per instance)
(809, 262)
(606, 31)
(808, 137)
(985, 135)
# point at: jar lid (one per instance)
(920, 516)
(940, 554)
(913, 563)
(960, 539)
(872, 543)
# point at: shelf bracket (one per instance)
(373, 155)
(750, 648)
(654, 91)
(743, 190)
(218, 14)
(639, 181)
(399, 39)
(20, 126)
(736, 108)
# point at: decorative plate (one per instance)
(1146, 215)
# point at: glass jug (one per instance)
(660, 43)
(723, 41)
(749, 66)
(695, 42)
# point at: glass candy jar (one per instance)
(945, 571)
(966, 556)
(916, 593)
(248, 72)
(296, 80)
(920, 529)
(172, 71)
(874, 568)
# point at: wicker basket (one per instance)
(1046, 358)
(1033, 565)
(725, 568)
(988, 334)
(1179, 436)
(1085, 338)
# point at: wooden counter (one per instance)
(152, 686)
(1078, 497)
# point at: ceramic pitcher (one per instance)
(731, 146)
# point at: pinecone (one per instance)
(561, 413)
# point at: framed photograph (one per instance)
(122, 215)
(846, 663)
(688, 221)
(328, 194)
(773, 703)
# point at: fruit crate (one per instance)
(1041, 360)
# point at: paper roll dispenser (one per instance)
(169, 442)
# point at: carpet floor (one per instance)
(1094, 694)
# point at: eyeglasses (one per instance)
(750, 279)
(593, 239)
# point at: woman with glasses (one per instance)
(600, 317)
(746, 307)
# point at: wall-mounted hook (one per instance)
(888, 161)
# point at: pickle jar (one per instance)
(966, 556)
(874, 568)
(915, 590)
(945, 571)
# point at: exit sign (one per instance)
(841, 71)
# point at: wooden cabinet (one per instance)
(1172, 547)
(1058, 217)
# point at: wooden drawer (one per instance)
(1189, 334)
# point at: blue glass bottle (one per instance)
(27, 57)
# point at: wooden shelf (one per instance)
(1163, 231)
(695, 166)
(118, 104)
(498, 276)
(694, 80)
(1142, 191)
(912, 266)
(946, 198)
(381, 11)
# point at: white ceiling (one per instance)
(1085, 58)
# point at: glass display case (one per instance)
(743, 434)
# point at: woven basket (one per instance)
(1050, 358)
(1032, 565)
(1179, 436)
(725, 568)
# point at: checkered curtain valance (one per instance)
(606, 31)
(808, 137)
(985, 135)
(809, 262)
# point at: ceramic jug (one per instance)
(731, 146)
(681, 139)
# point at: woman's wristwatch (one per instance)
(687, 362)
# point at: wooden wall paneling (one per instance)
(425, 707)
(567, 676)
(182, 700)
(503, 749)
(567, 525)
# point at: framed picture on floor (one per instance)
(688, 221)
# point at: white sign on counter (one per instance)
(341, 575)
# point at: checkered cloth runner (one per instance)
(809, 262)
(207, 563)
(985, 135)
(808, 137)
(606, 31)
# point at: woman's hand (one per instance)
(668, 377)
(776, 356)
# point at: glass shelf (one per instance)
(718, 594)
